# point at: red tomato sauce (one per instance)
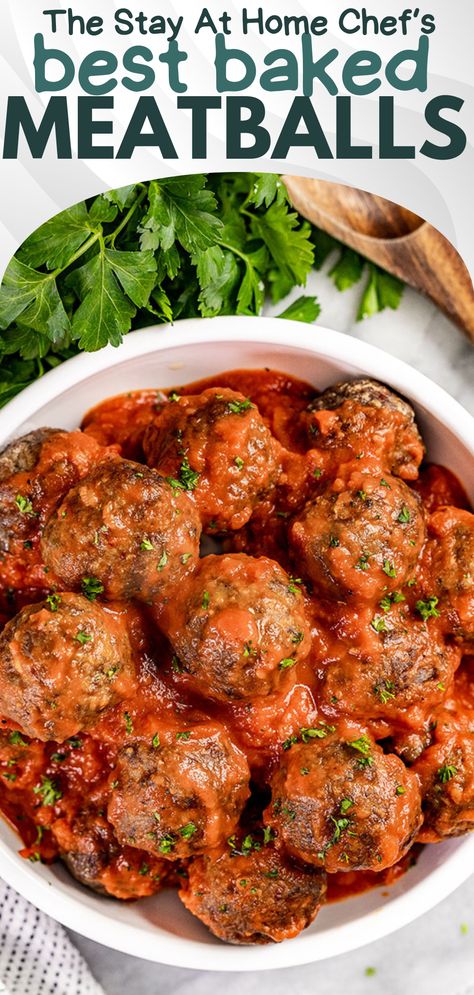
(44, 785)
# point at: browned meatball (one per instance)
(123, 531)
(361, 538)
(89, 849)
(339, 802)
(452, 568)
(239, 627)
(446, 768)
(62, 662)
(216, 446)
(252, 893)
(358, 414)
(35, 472)
(388, 662)
(178, 796)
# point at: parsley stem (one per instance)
(77, 255)
(237, 252)
(124, 222)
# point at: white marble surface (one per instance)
(434, 955)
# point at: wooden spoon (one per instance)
(393, 238)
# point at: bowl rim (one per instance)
(38, 885)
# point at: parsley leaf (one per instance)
(347, 270)
(170, 248)
(382, 290)
(303, 309)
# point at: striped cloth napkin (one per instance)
(36, 955)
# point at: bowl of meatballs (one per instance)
(237, 644)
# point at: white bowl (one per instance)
(159, 928)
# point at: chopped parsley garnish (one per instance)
(185, 557)
(82, 637)
(385, 691)
(188, 830)
(249, 649)
(389, 568)
(427, 609)
(24, 505)
(363, 746)
(293, 586)
(446, 772)
(188, 478)
(174, 396)
(128, 723)
(91, 587)
(399, 790)
(333, 541)
(345, 805)
(183, 735)
(48, 791)
(379, 624)
(205, 600)
(166, 844)
(363, 562)
(53, 602)
(239, 462)
(146, 544)
(384, 483)
(312, 733)
(404, 515)
(289, 661)
(155, 741)
(317, 473)
(162, 561)
(271, 874)
(58, 758)
(304, 771)
(388, 600)
(144, 869)
(297, 637)
(290, 742)
(238, 407)
(362, 495)
(340, 826)
(16, 739)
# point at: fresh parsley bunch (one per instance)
(155, 252)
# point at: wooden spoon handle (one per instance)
(393, 238)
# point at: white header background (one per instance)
(440, 191)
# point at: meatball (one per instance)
(446, 769)
(239, 627)
(91, 853)
(62, 662)
(123, 531)
(252, 894)
(216, 446)
(339, 802)
(178, 797)
(35, 472)
(453, 567)
(361, 538)
(389, 662)
(364, 413)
